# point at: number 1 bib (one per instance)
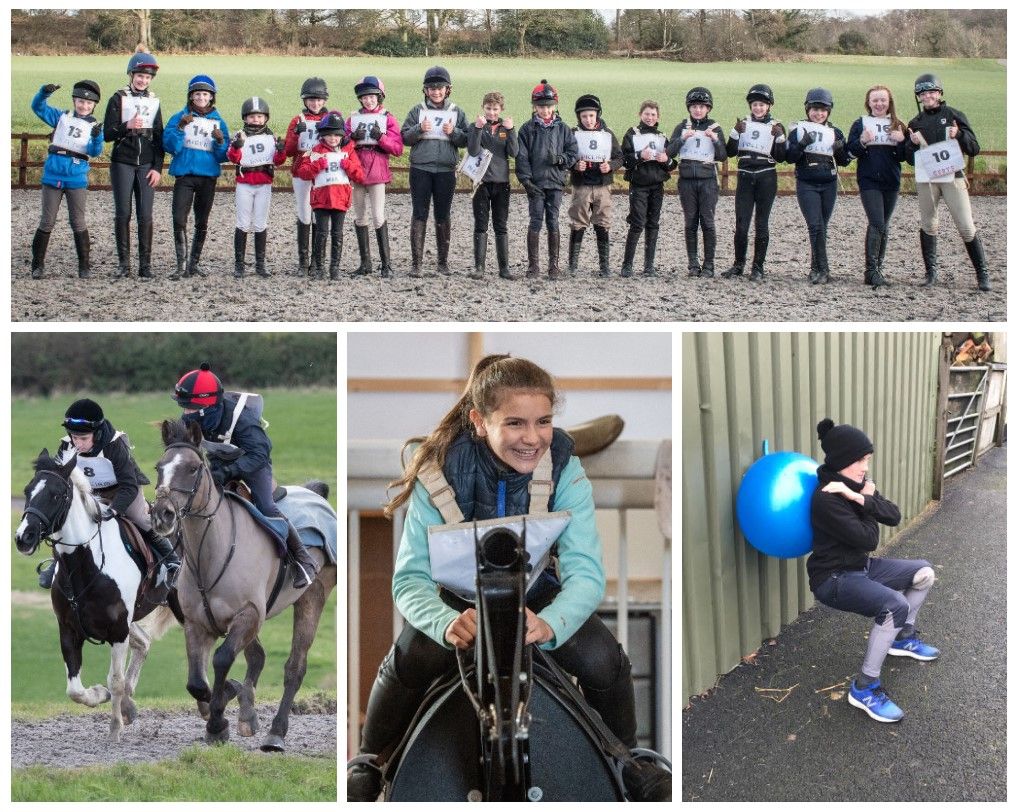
(698, 148)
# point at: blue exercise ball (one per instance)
(774, 501)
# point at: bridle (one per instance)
(52, 524)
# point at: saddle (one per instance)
(139, 551)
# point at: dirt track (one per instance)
(785, 296)
(83, 740)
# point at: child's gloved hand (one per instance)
(360, 133)
(532, 189)
(375, 131)
(184, 121)
(49, 90)
(740, 126)
(217, 135)
(280, 145)
(96, 129)
(776, 130)
(238, 139)
(301, 127)
(807, 138)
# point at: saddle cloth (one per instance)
(312, 517)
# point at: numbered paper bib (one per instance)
(368, 120)
(823, 145)
(258, 150)
(144, 106)
(698, 148)
(99, 471)
(641, 141)
(334, 174)
(594, 147)
(309, 137)
(475, 166)
(758, 137)
(939, 162)
(198, 134)
(880, 128)
(437, 119)
(72, 133)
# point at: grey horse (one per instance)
(225, 588)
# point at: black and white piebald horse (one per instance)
(96, 592)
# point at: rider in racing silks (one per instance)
(496, 454)
(223, 419)
(104, 457)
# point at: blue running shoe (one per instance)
(874, 701)
(913, 647)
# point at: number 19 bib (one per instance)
(258, 150)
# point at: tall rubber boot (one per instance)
(337, 247)
(575, 244)
(603, 249)
(39, 245)
(381, 234)
(260, 245)
(443, 235)
(532, 254)
(762, 242)
(239, 250)
(709, 252)
(692, 251)
(122, 235)
(418, 230)
(928, 242)
(977, 255)
(145, 249)
(306, 569)
(650, 252)
(319, 238)
(303, 248)
(479, 254)
(873, 277)
(553, 248)
(180, 245)
(501, 250)
(364, 246)
(822, 259)
(631, 241)
(194, 258)
(83, 247)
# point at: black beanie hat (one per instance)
(843, 444)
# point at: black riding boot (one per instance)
(822, 259)
(575, 244)
(873, 277)
(501, 250)
(928, 242)
(337, 246)
(814, 249)
(165, 555)
(364, 246)
(122, 235)
(260, 244)
(145, 249)
(418, 230)
(83, 248)
(381, 234)
(479, 254)
(239, 250)
(193, 260)
(741, 250)
(319, 238)
(303, 248)
(631, 241)
(759, 257)
(650, 252)
(709, 251)
(180, 245)
(977, 255)
(39, 245)
(692, 251)
(532, 254)
(884, 236)
(443, 235)
(306, 569)
(46, 573)
(553, 248)
(603, 249)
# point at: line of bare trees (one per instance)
(686, 34)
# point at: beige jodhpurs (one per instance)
(957, 201)
(371, 196)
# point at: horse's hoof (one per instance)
(204, 711)
(129, 713)
(218, 737)
(247, 727)
(274, 744)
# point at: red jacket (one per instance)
(254, 175)
(292, 138)
(336, 195)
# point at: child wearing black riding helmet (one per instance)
(434, 130)
(817, 148)
(877, 141)
(224, 418)
(936, 121)
(698, 142)
(759, 141)
(103, 455)
(76, 138)
(493, 453)
(592, 176)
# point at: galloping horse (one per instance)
(231, 582)
(97, 593)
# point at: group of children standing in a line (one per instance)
(339, 162)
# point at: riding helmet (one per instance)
(314, 88)
(763, 93)
(201, 82)
(83, 417)
(332, 123)
(588, 102)
(85, 89)
(819, 97)
(544, 94)
(141, 62)
(699, 95)
(370, 85)
(927, 81)
(198, 389)
(437, 76)
(255, 104)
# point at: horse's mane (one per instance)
(176, 431)
(44, 462)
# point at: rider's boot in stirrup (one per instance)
(163, 548)
(46, 570)
(646, 781)
(306, 569)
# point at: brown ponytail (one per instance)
(490, 378)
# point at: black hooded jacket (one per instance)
(118, 451)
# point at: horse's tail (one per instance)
(319, 487)
(158, 622)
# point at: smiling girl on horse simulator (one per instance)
(492, 455)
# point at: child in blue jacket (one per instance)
(197, 138)
(76, 138)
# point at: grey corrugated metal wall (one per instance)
(741, 388)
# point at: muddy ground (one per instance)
(83, 739)
(672, 296)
